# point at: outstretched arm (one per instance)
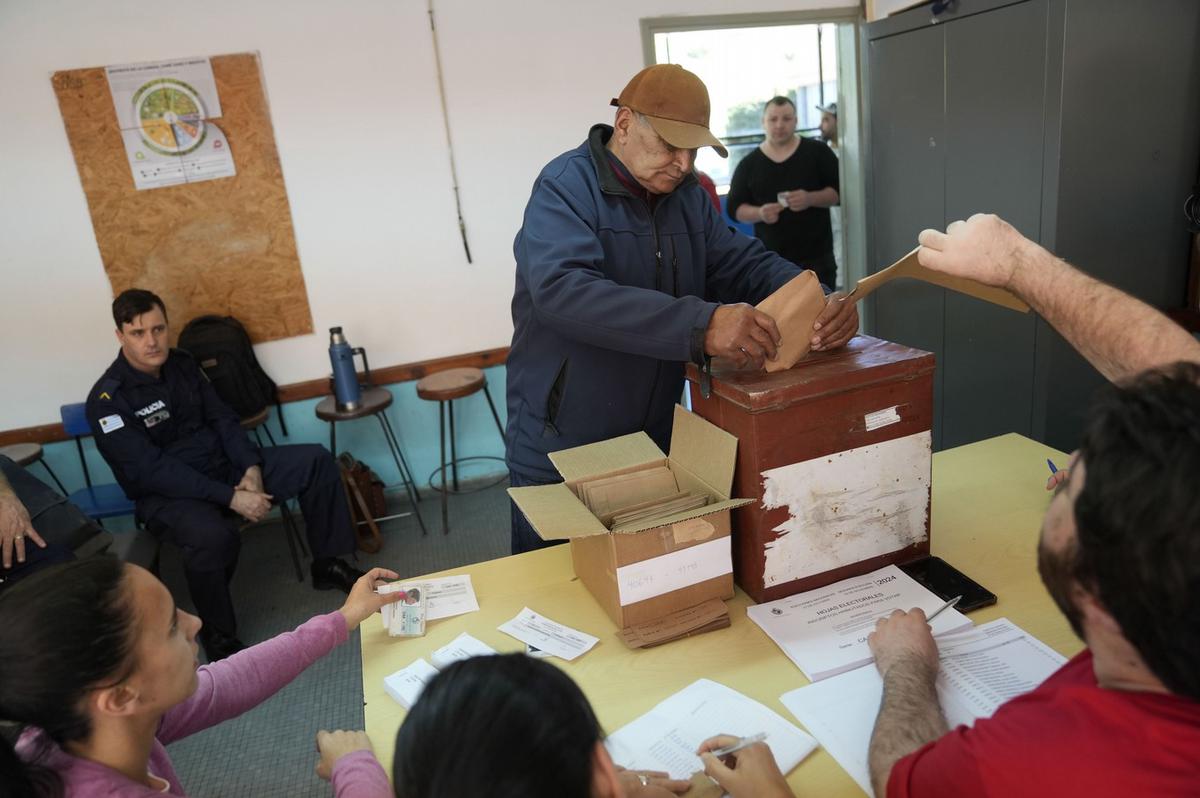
(1118, 334)
(243, 681)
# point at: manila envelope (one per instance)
(795, 306)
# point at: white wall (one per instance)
(357, 121)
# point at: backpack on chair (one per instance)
(222, 347)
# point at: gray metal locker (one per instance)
(1014, 108)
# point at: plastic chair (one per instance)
(741, 227)
(96, 501)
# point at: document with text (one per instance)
(464, 646)
(446, 596)
(543, 633)
(406, 684)
(980, 669)
(824, 631)
(666, 737)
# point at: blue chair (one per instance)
(741, 227)
(96, 501)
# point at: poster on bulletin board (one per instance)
(165, 111)
(178, 162)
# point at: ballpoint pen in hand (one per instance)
(744, 742)
(943, 608)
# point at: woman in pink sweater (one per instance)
(99, 665)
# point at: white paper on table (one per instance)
(980, 669)
(666, 737)
(541, 632)
(445, 597)
(406, 684)
(824, 631)
(462, 647)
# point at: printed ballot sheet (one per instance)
(406, 684)
(445, 597)
(543, 633)
(462, 647)
(980, 670)
(666, 737)
(824, 631)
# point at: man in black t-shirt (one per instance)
(785, 189)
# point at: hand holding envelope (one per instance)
(795, 308)
(797, 305)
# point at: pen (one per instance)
(1053, 469)
(943, 608)
(744, 742)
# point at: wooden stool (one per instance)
(252, 423)
(444, 387)
(374, 401)
(23, 454)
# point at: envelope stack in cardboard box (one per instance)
(624, 500)
(649, 532)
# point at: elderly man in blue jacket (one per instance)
(625, 272)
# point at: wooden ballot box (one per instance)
(837, 453)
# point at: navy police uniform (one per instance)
(178, 451)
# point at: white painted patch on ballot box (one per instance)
(847, 507)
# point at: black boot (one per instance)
(330, 572)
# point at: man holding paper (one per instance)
(1120, 554)
(625, 272)
(1117, 333)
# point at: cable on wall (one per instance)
(437, 59)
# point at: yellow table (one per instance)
(988, 501)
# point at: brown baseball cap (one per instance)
(676, 103)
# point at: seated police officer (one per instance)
(180, 453)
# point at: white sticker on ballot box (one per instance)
(881, 418)
(658, 575)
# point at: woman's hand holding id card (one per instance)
(405, 618)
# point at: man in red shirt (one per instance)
(1120, 555)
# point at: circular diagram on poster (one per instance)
(171, 116)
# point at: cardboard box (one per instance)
(666, 564)
(836, 452)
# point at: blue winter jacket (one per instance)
(611, 301)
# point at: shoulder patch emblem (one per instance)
(104, 395)
(111, 423)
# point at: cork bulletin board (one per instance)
(222, 246)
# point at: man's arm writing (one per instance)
(909, 714)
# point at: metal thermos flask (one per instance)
(345, 379)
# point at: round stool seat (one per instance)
(372, 401)
(23, 453)
(451, 384)
(256, 420)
